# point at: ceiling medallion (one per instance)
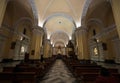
(60, 22)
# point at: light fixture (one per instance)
(21, 38)
(97, 40)
(70, 37)
(40, 24)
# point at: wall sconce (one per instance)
(97, 40)
(21, 38)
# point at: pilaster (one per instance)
(82, 43)
(116, 12)
(3, 5)
(36, 43)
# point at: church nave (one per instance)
(59, 73)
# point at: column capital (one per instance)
(82, 28)
(37, 30)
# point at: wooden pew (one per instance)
(25, 77)
(74, 67)
(8, 69)
(78, 71)
(91, 77)
(113, 70)
(18, 77)
(88, 77)
(6, 77)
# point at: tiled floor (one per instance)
(59, 74)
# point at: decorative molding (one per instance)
(3, 37)
(82, 28)
(34, 9)
(105, 31)
(72, 9)
(45, 10)
(85, 9)
(21, 20)
(59, 14)
(38, 30)
(97, 21)
(7, 27)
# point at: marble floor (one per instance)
(59, 73)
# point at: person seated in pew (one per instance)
(105, 77)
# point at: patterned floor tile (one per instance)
(59, 74)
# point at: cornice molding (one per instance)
(38, 30)
(105, 31)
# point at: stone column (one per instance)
(3, 5)
(116, 12)
(51, 49)
(76, 46)
(47, 49)
(82, 44)
(36, 43)
(110, 50)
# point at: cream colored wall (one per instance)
(15, 37)
(105, 30)
(14, 19)
(11, 14)
(3, 4)
(116, 12)
(82, 45)
(5, 33)
(47, 47)
(91, 42)
(37, 39)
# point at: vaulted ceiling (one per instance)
(59, 17)
(72, 8)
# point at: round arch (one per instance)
(59, 14)
(59, 22)
(59, 43)
(96, 21)
(23, 19)
(59, 36)
(85, 9)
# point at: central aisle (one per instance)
(59, 73)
